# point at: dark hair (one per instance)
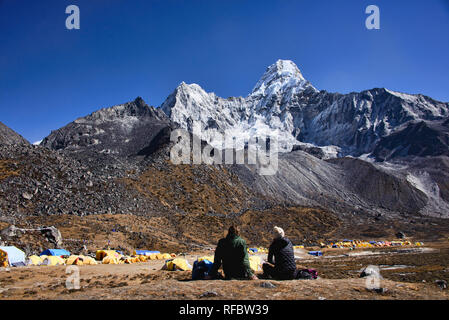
(233, 231)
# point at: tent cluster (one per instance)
(12, 256)
(114, 257)
(368, 244)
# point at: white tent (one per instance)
(13, 255)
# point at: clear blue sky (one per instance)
(49, 75)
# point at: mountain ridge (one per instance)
(285, 104)
(126, 148)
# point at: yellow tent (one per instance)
(103, 253)
(166, 256)
(74, 259)
(143, 258)
(110, 260)
(53, 261)
(255, 263)
(177, 264)
(80, 260)
(89, 260)
(210, 258)
(34, 260)
(126, 259)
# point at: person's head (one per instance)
(233, 231)
(278, 232)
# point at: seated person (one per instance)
(284, 258)
(231, 252)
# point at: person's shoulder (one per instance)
(240, 240)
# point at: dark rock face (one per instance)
(422, 138)
(356, 121)
(10, 137)
(121, 130)
(380, 188)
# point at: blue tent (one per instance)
(55, 252)
(15, 256)
(146, 252)
(315, 253)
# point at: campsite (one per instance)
(339, 279)
(410, 268)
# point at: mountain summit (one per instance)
(122, 130)
(284, 104)
(280, 77)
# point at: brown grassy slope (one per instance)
(301, 225)
(174, 232)
(195, 189)
(7, 170)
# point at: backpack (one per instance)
(201, 269)
(309, 274)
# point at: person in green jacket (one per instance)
(232, 253)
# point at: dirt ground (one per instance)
(407, 273)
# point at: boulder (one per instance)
(10, 232)
(400, 235)
(53, 235)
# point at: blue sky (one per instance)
(50, 76)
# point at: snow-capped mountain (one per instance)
(259, 114)
(285, 105)
(315, 125)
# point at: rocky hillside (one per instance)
(10, 137)
(415, 138)
(38, 181)
(119, 130)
